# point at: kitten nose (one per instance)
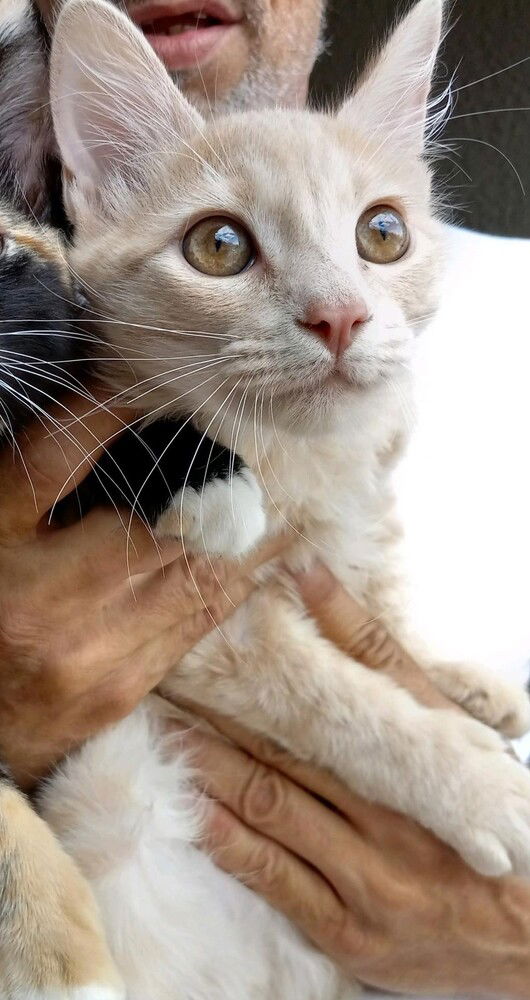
(335, 325)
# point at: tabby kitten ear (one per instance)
(114, 106)
(390, 102)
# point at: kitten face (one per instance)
(297, 183)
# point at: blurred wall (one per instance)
(486, 36)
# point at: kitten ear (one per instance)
(391, 100)
(114, 106)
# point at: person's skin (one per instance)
(394, 907)
(92, 615)
(265, 55)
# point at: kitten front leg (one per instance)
(487, 697)
(445, 770)
(52, 945)
(183, 485)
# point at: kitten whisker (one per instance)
(212, 446)
(264, 483)
(491, 145)
(266, 454)
(160, 385)
(497, 72)
(236, 426)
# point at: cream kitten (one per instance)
(307, 245)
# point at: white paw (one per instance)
(481, 802)
(490, 699)
(225, 519)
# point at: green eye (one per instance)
(219, 247)
(382, 235)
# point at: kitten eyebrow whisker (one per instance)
(491, 145)
(497, 72)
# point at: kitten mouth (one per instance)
(185, 33)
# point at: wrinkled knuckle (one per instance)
(264, 798)
(266, 872)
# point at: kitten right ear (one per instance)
(114, 106)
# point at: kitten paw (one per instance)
(481, 802)
(226, 518)
(49, 913)
(488, 698)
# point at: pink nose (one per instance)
(335, 325)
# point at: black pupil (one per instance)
(225, 236)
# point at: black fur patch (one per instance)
(36, 334)
(146, 469)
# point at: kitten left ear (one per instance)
(114, 106)
(391, 100)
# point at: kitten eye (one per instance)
(217, 246)
(382, 235)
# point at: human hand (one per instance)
(348, 625)
(393, 906)
(92, 615)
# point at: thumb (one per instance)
(342, 620)
(51, 458)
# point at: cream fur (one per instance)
(299, 181)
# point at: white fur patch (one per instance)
(15, 18)
(90, 992)
(177, 926)
(225, 519)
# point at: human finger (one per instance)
(349, 626)
(289, 885)
(192, 583)
(316, 780)
(53, 456)
(267, 801)
(365, 817)
(109, 545)
(163, 648)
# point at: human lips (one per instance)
(184, 34)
